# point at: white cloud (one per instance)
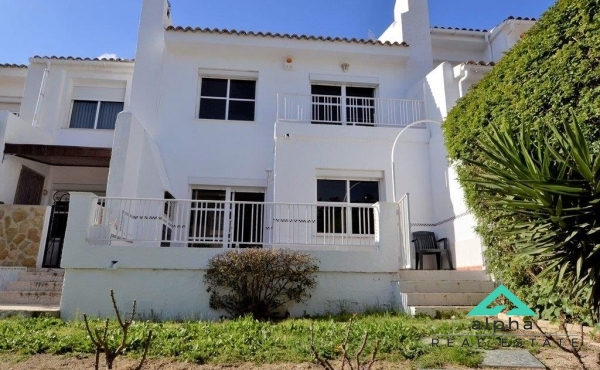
(108, 56)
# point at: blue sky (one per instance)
(90, 28)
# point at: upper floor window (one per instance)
(339, 105)
(96, 107)
(100, 115)
(227, 99)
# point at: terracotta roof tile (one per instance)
(8, 65)
(521, 18)
(85, 59)
(284, 36)
(480, 63)
(459, 29)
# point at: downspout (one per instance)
(461, 89)
(41, 95)
(274, 159)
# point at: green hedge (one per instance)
(554, 69)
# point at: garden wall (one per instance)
(22, 230)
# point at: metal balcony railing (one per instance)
(355, 111)
(232, 224)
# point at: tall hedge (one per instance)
(554, 69)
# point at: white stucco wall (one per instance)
(169, 281)
(56, 105)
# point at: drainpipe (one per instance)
(41, 95)
(274, 159)
(461, 89)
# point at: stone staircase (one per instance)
(433, 291)
(35, 291)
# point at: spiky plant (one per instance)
(548, 183)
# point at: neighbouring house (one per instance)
(234, 139)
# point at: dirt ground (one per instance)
(554, 359)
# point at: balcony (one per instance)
(349, 111)
(232, 224)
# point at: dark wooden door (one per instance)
(29, 187)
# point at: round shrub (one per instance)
(259, 282)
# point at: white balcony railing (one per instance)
(232, 224)
(337, 110)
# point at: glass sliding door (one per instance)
(227, 218)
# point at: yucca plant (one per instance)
(548, 183)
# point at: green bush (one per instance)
(551, 182)
(259, 282)
(554, 69)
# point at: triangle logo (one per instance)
(482, 309)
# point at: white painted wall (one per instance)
(169, 281)
(55, 108)
(197, 152)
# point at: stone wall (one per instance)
(21, 229)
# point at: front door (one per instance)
(29, 187)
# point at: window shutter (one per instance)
(116, 94)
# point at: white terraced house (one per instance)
(232, 139)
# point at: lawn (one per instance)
(245, 340)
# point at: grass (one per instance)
(246, 340)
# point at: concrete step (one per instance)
(44, 286)
(37, 269)
(433, 311)
(30, 298)
(28, 310)
(443, 299)
(448, 286)
(41, 276)
(442, 275)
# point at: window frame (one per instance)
(96, 116)
(347, 227)
(344, 104)
(227, 98)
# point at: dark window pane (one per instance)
(214, 87)
(84, 114)
(108, 114)
(241, 89)
(363, 92)
(241, 110)
(360, 110)
(363, 221)
(326, 90)
(203, 194)
(331, 191)
(331, 219)
(364, 192)
(207, 218)
(326, 110)
(212, 108)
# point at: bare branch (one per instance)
(114, 302)
(373, 358)
(146, 346)
(361, 349)
(324, 363)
